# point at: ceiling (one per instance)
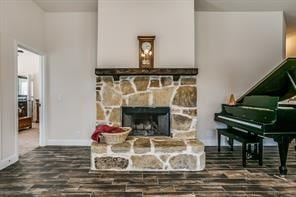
(288, 6)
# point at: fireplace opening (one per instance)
(147, 121)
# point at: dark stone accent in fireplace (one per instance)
(117, 72)
(147, 121)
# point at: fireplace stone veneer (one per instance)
(181, 151)
(150, 91)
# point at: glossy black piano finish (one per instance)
(259, 110)
(280, 82)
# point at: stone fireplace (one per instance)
(114, 98)
(162, 110)
(147, 121)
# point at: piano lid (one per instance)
(280, 82)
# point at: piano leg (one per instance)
(261, 152)
(283, 145)
(219, 141)
(244, 153)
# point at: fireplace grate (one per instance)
(147, 121)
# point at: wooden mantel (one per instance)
(117, 72)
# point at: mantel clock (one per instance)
(146, 51)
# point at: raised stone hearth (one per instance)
(153, 153)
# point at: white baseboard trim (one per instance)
(209, 142)
(8, 161)
(53, 142)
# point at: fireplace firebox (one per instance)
(147, 121)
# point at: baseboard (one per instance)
(209, 142)
(8, 161)
(54, 142)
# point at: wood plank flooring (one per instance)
(64, 171)
(28, 139)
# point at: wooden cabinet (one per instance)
(23, 108)
(25, 123)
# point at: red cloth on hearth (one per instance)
(104, 129)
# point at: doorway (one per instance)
(29, 67)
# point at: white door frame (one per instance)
(42, 87)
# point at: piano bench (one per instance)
(245, 139)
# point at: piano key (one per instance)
(241, 122)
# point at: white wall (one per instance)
(7, 101)
(120, 22)
(291, 43)
(30, 64)
(71, 61)
(234, 51)
(21, 21)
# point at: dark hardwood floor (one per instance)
(64, 171)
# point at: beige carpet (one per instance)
(28, 139)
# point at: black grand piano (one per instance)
(261, 112)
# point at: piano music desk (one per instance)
(245, 139)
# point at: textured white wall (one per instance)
(120, 22)
(21, 21)
(71, 61)
(234, 51)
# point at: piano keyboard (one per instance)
(256, 108)
(241, 122)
